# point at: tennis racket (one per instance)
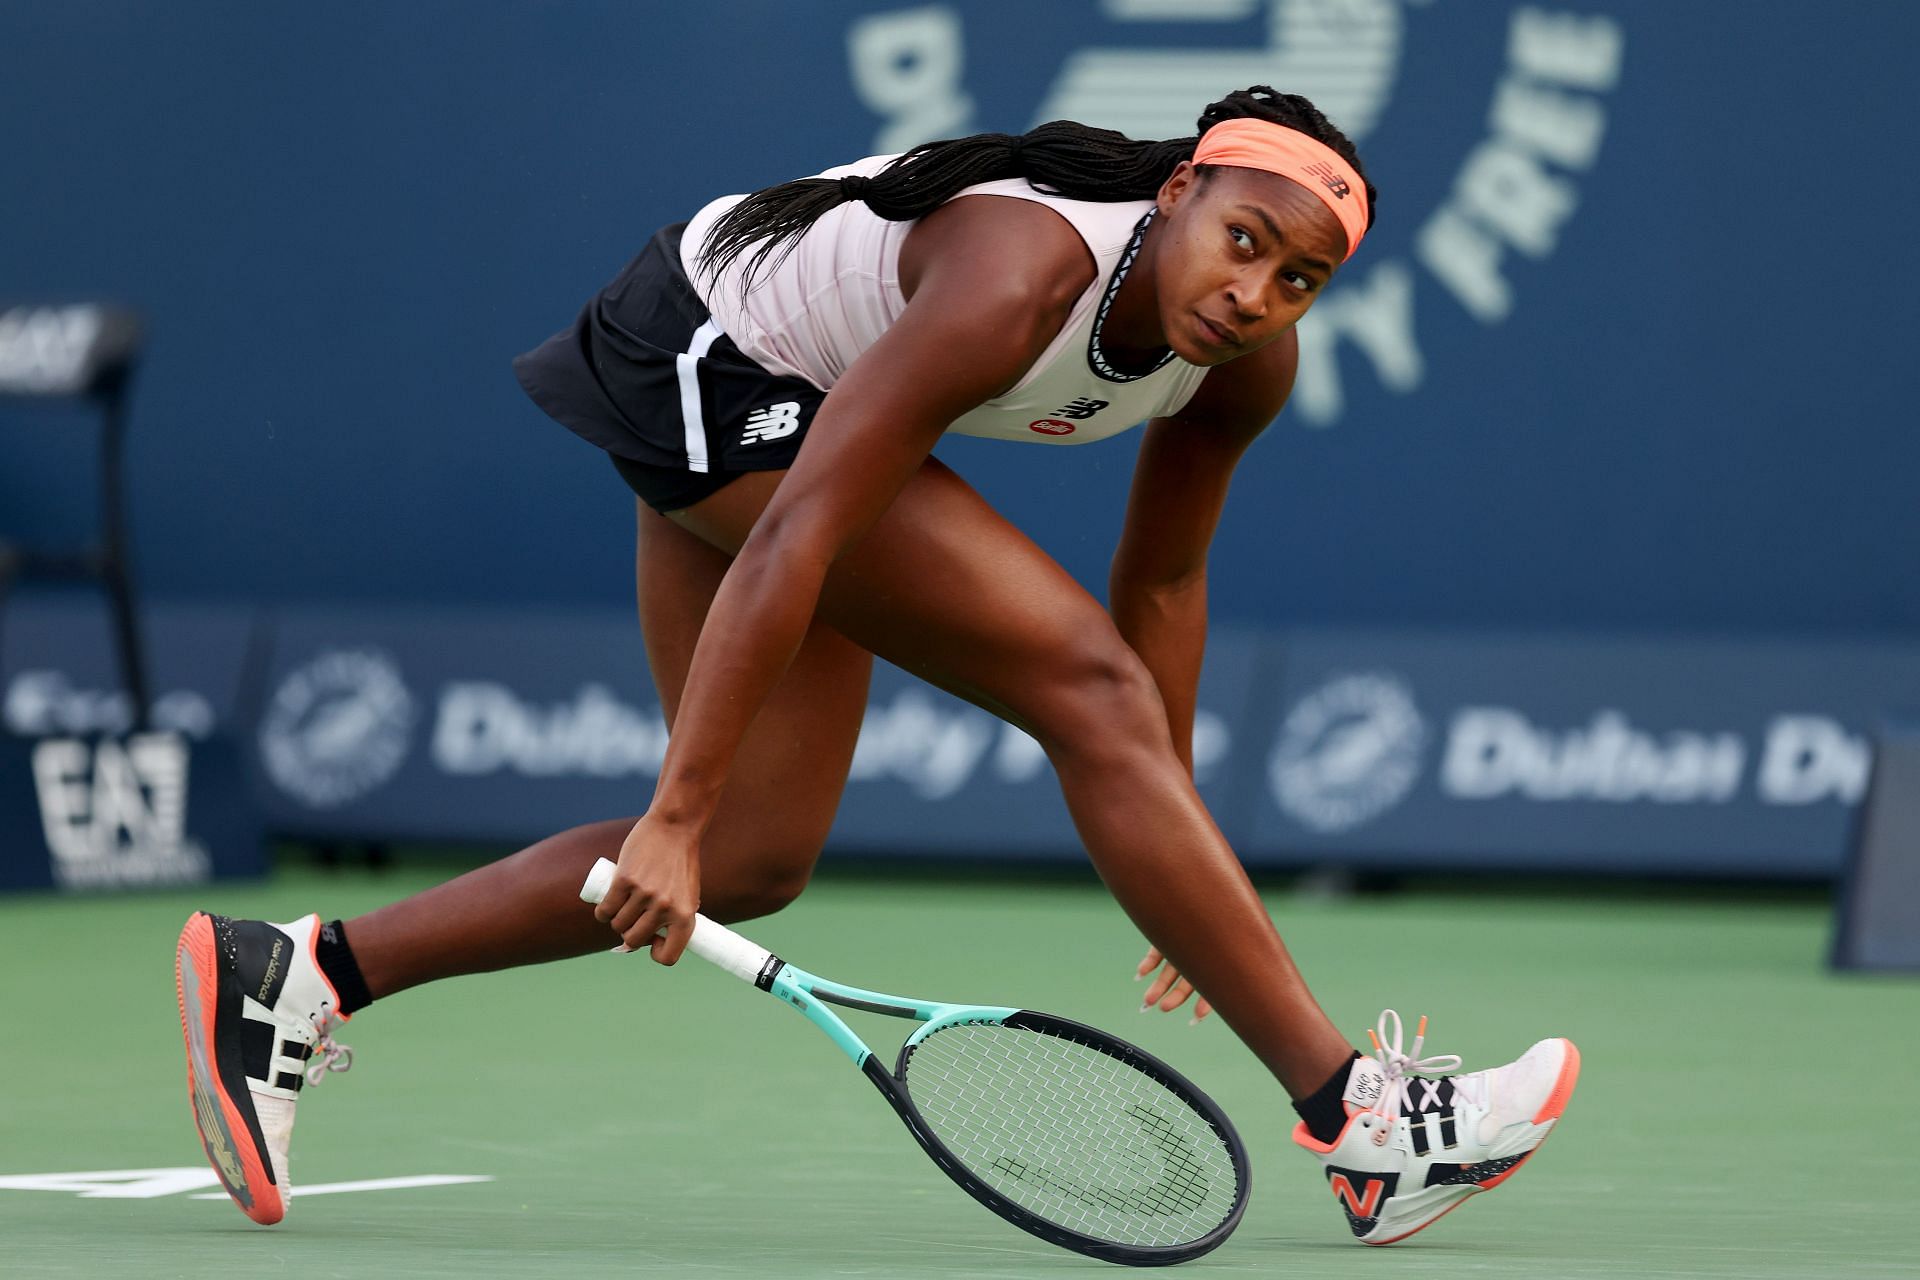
(1063, 1130)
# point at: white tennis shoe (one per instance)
(1418, 1144)
(258, 1017)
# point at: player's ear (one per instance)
(1180, 185)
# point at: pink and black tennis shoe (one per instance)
(258, 1017)
(1418, 1143)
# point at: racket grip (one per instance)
(713, 942)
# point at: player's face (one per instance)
(1241, 257)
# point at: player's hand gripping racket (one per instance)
(1064, 1131)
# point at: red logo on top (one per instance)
(1051, 427)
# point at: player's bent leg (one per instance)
(949, 590)
(1415, 1147)
(520, 910)
(946, 589)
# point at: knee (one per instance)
(1101, 699)
(758, 890)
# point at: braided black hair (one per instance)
(1060, 158)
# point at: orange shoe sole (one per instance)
(216, 1083)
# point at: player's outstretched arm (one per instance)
(1157, 587)
(990, 282)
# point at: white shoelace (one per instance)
(328, 1054)
(1397, 1066)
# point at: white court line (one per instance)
(375, 1184)
(117, 1184)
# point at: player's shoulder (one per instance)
(1009, 251)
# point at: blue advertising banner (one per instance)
(503, 727)
(59, 673)
(101, 812)
(1354, 748)
(1672, 756)
(934, 775)
(85, 803)
(455, 726)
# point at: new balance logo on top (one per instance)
(1081, 409)
(772, 422)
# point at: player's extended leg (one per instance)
(951, 591)
(258, 1001)
(947, 589)
(766, 834)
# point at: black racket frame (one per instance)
(892, 1085)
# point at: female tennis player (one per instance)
(769, 378)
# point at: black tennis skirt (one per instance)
(644, 374)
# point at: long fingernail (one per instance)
(622, 950)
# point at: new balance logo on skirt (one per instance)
(772, 422)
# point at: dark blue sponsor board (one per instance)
(92, 812)
(62, 676)
(455, 725)
(492, 726)
(1665, 756)
(1355, 748)
(85, 803)
(934, 775)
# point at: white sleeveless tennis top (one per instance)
(833, 296)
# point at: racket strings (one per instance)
(1073, 1135)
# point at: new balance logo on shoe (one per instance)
(1364, 1203)
(771, 422)
(265, 994)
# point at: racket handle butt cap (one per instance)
(599, 880)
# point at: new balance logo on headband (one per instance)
(772, 422)
(1331, 179)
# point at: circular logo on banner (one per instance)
(1051, 427)
(337, 728)
(1347, 752)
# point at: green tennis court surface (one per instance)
(1741, 1113)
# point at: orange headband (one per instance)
(1261, 144)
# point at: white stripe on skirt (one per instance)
(687, 367)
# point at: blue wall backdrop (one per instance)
(1630, 350)
(1688, 407)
